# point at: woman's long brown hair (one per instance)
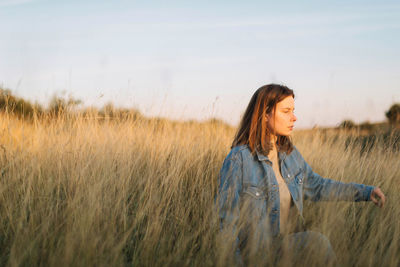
(253, 130)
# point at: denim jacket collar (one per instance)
(262, 157)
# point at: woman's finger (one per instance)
(374, 199)
(382, 197)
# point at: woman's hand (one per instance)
(378, 197)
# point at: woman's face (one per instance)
(281, 122)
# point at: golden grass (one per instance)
(77, 191)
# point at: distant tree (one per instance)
(112, 112)
(59, 105)
(109, 110)
(366, 126)
(16, 105)
(347, 124)
(393, 114)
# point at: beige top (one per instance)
(284, 194)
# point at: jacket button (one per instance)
(257, 194)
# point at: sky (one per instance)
(202, 59)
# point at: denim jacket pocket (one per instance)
(255, 192)
(298, 178)
(253, 204)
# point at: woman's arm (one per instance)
(317, 188)
(230, 187)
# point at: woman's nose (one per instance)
(294, 118)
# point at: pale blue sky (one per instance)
(192, 59)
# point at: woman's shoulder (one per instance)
(240, 149)
(241, 153)
(238, 152)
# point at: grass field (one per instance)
(78, 191)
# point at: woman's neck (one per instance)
(273, 152)
(273, 138)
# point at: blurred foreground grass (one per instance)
(76, 191)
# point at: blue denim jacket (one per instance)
(250, 178)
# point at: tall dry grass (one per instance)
(77, 191)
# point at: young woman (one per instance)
(264, 180)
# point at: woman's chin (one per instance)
(286, 134)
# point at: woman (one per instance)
(264, 180)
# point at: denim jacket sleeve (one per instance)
(230, 187)
(317, 188)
